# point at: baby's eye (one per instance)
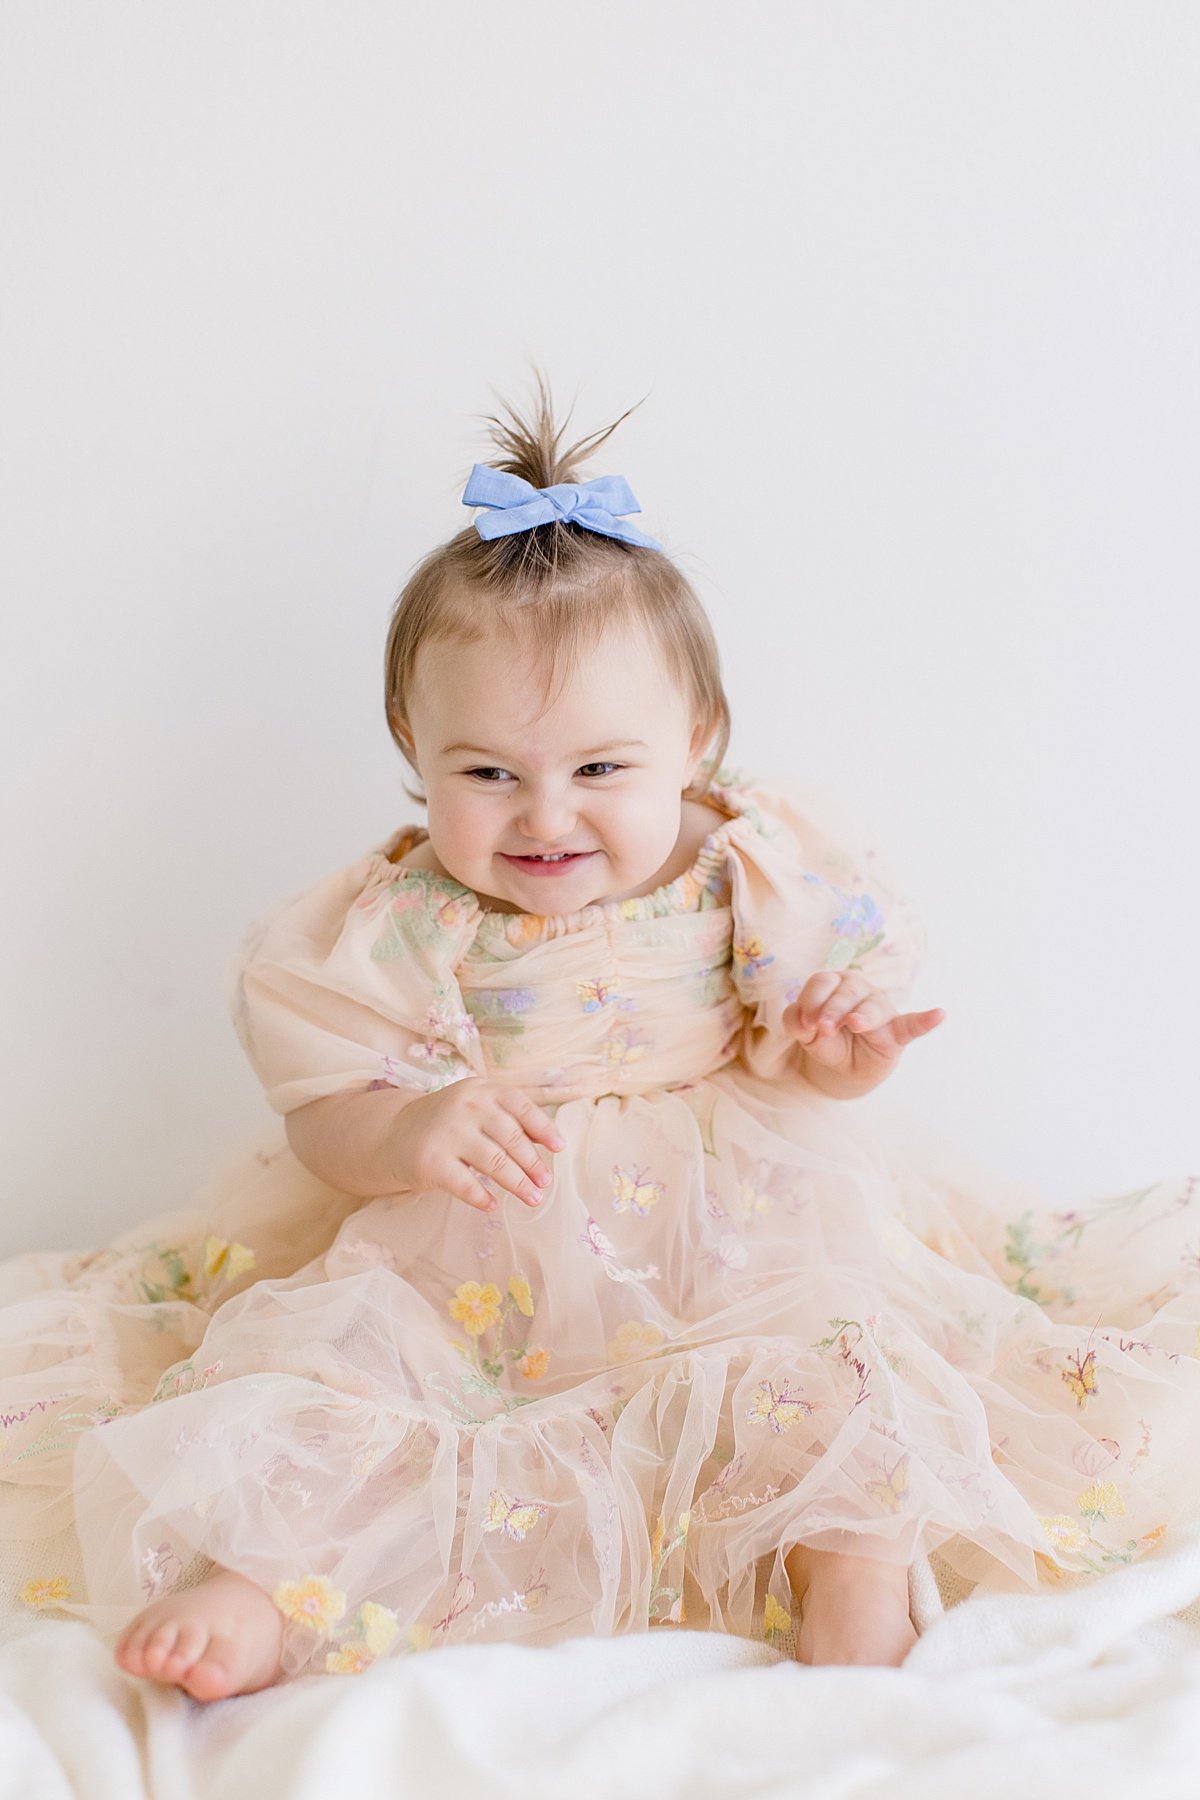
(602, 766)
(485, 773)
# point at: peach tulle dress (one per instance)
(738, 1320)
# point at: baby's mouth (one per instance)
(549, 865)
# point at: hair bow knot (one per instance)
(518, 506)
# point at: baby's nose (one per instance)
(548, 818)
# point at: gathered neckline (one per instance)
(521, 927)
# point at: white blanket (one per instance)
(1091, 1692)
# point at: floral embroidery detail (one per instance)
(314, 1602)
(376, 1629)
(226, 1260)
(667, 1602)
(633, 1192)
(162, 1567)
(749, 956)
(1101, 1501)
(634, 1339)
(515, 1518)
(533, 1364)
(479, 1309)
(779, 1409)
(777, 1620)
(518, 1287)
(48, 1592)
(858, 926)
(476, 1308)
(846, 1352)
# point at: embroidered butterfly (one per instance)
(749, 956)
(1080, 1377)
(515, 1518)
(894, 1488)
(633, 1193)
(778, 1410)
(595, 1240)
(598, 993)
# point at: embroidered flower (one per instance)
(779, 1409)
(476, 1308)
(50, 1592)
(226, 1259)
(635, 1338)
(533, 1364)
(1101, 1500)
(313, 1602)
(777, 1620)
(518, 1287)
(1065, 1533)
(379, 1627)
(348, 1659)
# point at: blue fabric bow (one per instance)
(520, 506)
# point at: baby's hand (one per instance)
(474, 1127)
(851, 1027)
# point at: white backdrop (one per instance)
(912, 291)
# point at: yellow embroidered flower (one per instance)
(636, 1337)
(226, 1259)
(1064, 1532)
(380, 1627)
(348, 1659)
(475, 1307)
(656, 1542)
(1103, 1498)
(533, 1364)
(518, 1287)
(313, 1602)
(52, 1592)
(1049, 1569)
(419, 1637)
(1149, 1538)
(777, 1620)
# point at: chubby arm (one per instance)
(349, 1140)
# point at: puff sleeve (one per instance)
(351, 985)
(808, 892)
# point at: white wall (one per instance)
(913, 291)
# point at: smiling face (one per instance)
(599, 774)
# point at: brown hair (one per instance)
(557, 587)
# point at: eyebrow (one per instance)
(595, 749)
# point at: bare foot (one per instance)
(220, 1638)
(853, 1609)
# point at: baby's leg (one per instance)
(853, 1608)
(222, 1637)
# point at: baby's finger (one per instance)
(816, 991)
(464, 1184)
(538, 1124)
(908, 1026)
(504, 1163)
(869, 1014)
(854, 991)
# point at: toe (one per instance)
(211, 1677)
(190, 1644)
(130, 1649)
(159, 1646)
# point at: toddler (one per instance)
(581, 1297)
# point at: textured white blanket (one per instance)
(1088, 1693)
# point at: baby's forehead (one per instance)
(616, 690)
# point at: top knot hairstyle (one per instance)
(555, 588)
